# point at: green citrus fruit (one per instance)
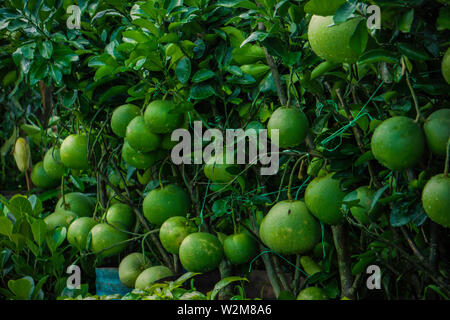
(446, 66)
(240, 248)
(78, 203)
(139, 136)
(257, 71)
(323, 7)
(437, 131)
(289, 228)
(122, 116)
(292, 126)
(201, 252)
(162, 203)
(398, 143)
(248, 54)
(323, 197)
(436, 199)
(310, 266)
(40, 178)
(131, 266)
(312, 293)
(61, 218)
(173, 231)
(167, 143)
(78, 232)
(332, 43)
(139, 160)
(161, 118)
(121, 216)
(74, 152)
(52, 163)
(107, 241)
(150, 275)
(220, 172)
(361, 210)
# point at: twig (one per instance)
(345, 272)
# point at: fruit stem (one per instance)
(413, 94)
(27, 178)
(340, 237)
(291, 177)
(447, 158)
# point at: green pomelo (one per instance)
(323, 197)
(437, 131)
(151, 275)
(131, 267)
(248, 54)
(310, 266)
(323, 7)
(240, 248)
(436, 199)
(361, 211)
(173, 231)
(61, 218)
(289, 228)
(201, 252)
(257, 71)
(121, 216)
(217, 170)
(107, 241)
(52, 163)
(292, 126)
(74, 152)
(137, 159)
(162, 203)
(122, 116)
(40, 178)
(78, 232)
(398, 143)
(312, 293)
(139, 136)
(332, 43)
(161, 118)
(446, 66)
(78, 203)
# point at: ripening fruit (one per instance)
(292, 126)
(436, 199)
(312, 293)
(398, 143)
(78, 203)
(201, 252)
(437, 131)
(289, 228)
(131, 267)
(22, 154)
(107, 241)
(220, 172)
(121, 216)
(40, 178)
(323, 7)
(323, 197)
(161, 118)
(136, 159)
(74, 152)
(446, 66)
(61, 218)
(240, 248)
(361, 210)
(173, 231)
(52, 163)
(78, 232)
(122, 116)
(162, 203)
(139, 136)
(332, 43)
(147, 277)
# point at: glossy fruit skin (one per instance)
(78, 203)
(78, 232)
(61, 218)
(220, 172)
(436, 199)
(289, 228)
(240, 248)
(105, 236)
(323, 197)
(139, 136)
(446, 66)
(162, 203)
(437, 131)
(40, 178)
(173, 231)
(201, 252)
(361, 211)
(292, 125)
(121, 216)
(312, 293)
(137, 159)
(248, 54)
(323, 7)
(131, 267)
(332, 43)
(159, 119)
(122, 116)
(150, 275)
(398, 143)
(52, 163)
(74, 152)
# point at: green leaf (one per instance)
(378, 55)
(406, 21)
(202, 75)
(443, 21)
(413, 52)
(223, 283)
(183, 70)
(359, 38)
(39, 229)
(19, 205)
(6, 226)
(201, 91)
(246, 4)
(254, 36)
(344, 12)
(45, 49)
(59, 235)
(22, 288)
